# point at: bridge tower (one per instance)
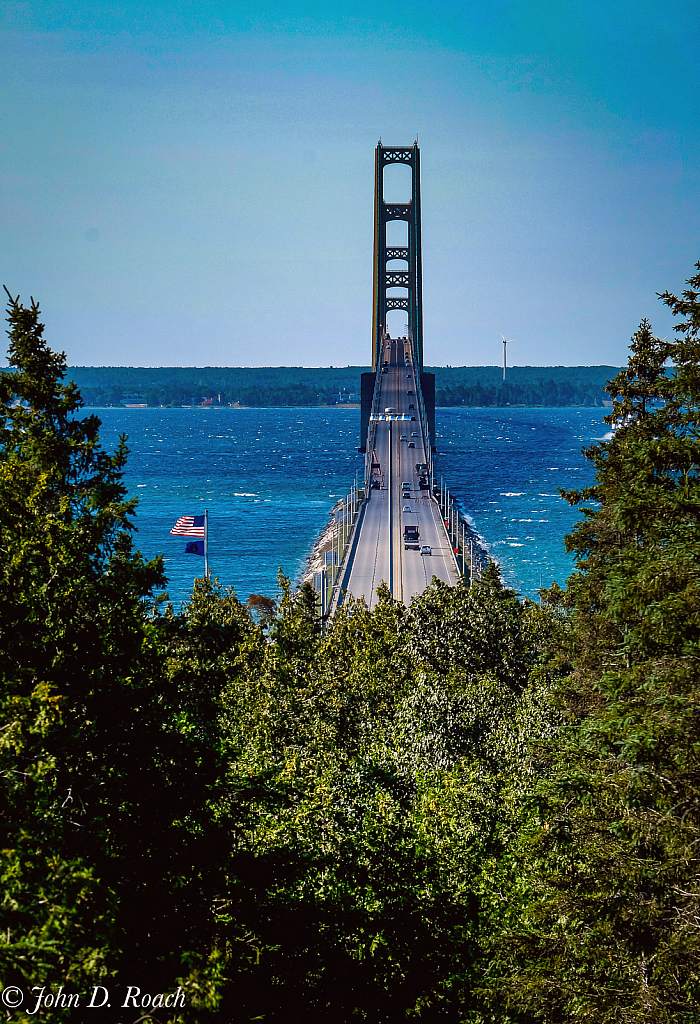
(408, 277)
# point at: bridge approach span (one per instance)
(398, 463)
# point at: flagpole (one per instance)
(206, 543)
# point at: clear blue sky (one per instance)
(191, 183)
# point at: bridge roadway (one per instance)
(378, 552)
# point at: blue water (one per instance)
(506, 467)
(270, 476)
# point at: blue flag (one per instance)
(195, 547)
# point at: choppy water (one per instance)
(506, 467)
(270, 476)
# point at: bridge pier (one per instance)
(427, 386)
(367, 382)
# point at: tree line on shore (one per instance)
(476, 809)
(543, 392)
(302, 386)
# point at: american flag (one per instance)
(189, 526)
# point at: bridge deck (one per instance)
(379, 552)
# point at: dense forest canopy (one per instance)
(303, 386)
(477, 809)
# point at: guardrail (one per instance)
(326, 581)
(427, 440)
(374, 412)
(467, 558)
(470, 557)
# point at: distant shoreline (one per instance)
(331, 387)
(348, 405)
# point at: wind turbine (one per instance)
(504, 355)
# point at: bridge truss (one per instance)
(409, 279)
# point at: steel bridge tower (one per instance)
(409, 277)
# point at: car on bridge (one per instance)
(426, 550)
(411, 444)
(406, 509)
(410, 538)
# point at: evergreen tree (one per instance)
(610, 856)
(110, 755)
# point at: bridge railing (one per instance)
(327, 581)
(374, 412)
(341, 532)
(427, 439)
(469, 553)
(468, 557)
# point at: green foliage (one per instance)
(284, 386)
(474, 630)
(175, 386)
(109, 749)
(474, 809)
(608, 929)
(371, 776)
(284, 822)
(541, 392)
